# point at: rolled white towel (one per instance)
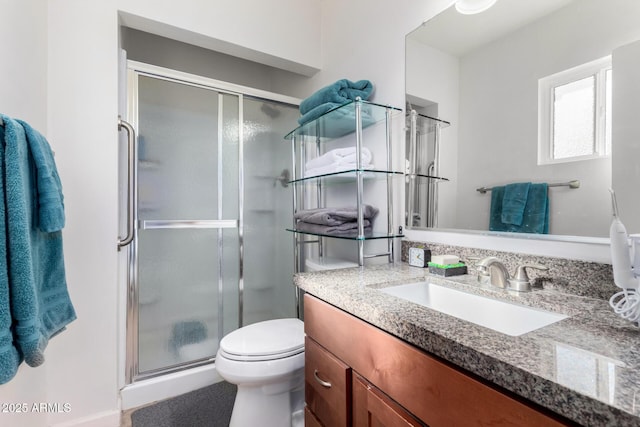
(339, 156)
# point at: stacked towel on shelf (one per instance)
(37, 302)
(338, 160)
(335, 221)
(333, 96)
(520, 208)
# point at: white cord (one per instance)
(626, 304)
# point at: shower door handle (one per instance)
(131, 170)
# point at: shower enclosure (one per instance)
(209, 207)
(422, 178)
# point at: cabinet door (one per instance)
(372, 408)
(327, 386)
(310, 420)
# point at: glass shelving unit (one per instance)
(345, 125)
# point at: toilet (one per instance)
(266, 361)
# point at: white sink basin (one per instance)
(507, 318)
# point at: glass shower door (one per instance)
(187, 245)
(268, 250)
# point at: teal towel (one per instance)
(339, 92)
(49, 188)
(535, 218)
(318, 111)
(40, 304)
(514, 202)
(495, 214)
(536, 212)
(9, 356)
(341, 119)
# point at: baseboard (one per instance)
(101, 419)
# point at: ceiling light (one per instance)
(469, 7)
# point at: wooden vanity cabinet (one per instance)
(379, 380)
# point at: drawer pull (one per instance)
(321, 382)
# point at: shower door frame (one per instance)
(130, 312)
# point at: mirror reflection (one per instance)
(537, 97)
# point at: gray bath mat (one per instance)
(207, 407)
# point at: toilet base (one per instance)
(269, 406)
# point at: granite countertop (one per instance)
(585, 367)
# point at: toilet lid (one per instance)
(268, 340)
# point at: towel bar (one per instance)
(571, 184)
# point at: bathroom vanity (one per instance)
(374, 359)
(348, 360)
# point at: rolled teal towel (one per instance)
(343, 119)
(9, 356)
(316, 112)
(514, 202)
(339, 92)
(49, 188)
(39, 301)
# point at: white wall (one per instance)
(23, 95)
(430, 71)
(23, 74)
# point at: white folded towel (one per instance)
(334, 168)
(340, 156)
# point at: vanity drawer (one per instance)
(327, 386)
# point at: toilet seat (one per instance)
(264, 341)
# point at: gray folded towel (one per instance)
(348, 229)
(335, 216)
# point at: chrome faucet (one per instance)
(492, 270)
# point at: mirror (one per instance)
(481, 73)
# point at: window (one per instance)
(574, 113)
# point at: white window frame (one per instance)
(546, 86)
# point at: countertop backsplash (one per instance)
(589, 279)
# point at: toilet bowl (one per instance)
(266, 361)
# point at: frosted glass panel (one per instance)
(268, 249)
(178, 297)
(574, 119)
(229, 307)
(188, 169)
(177, 150)
(230, 156)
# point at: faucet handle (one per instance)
(521, 280)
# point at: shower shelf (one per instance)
(346, 176)
(341, 121)
(367, 236)
(350, 125)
